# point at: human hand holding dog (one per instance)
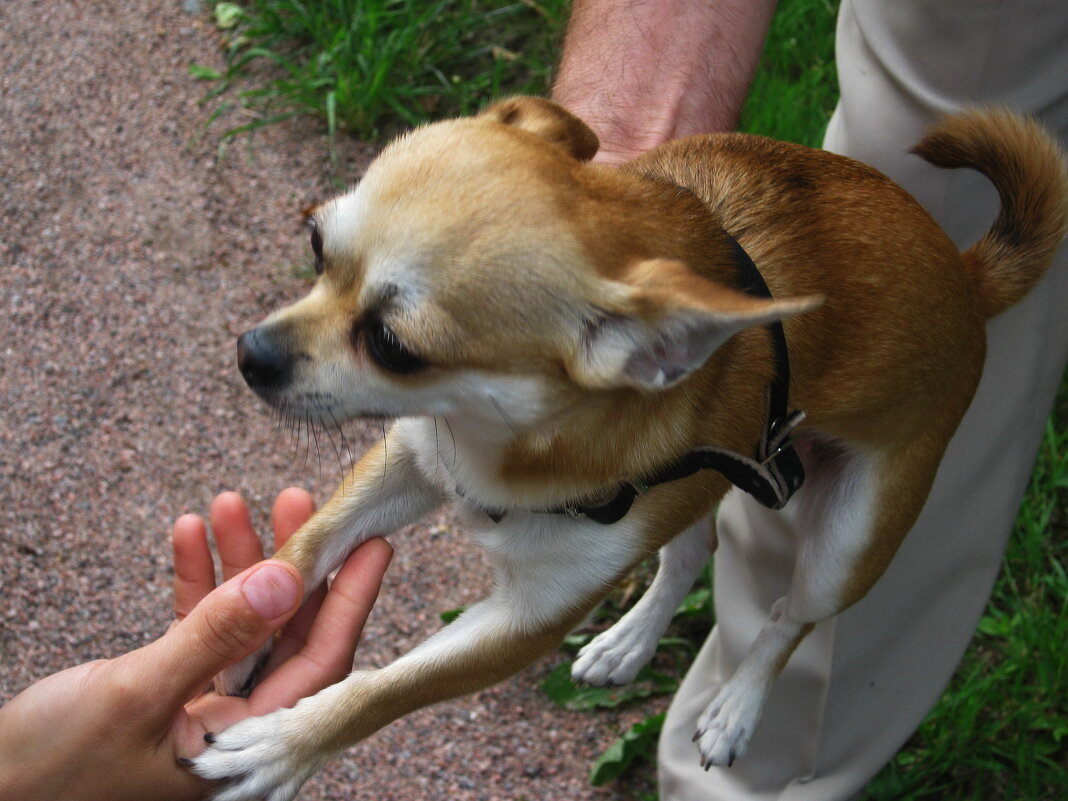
(122, 728)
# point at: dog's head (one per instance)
(484, 267)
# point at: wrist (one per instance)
(643, 73)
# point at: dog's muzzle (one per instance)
(264, 361)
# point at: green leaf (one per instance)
(450, 615)
(683, 643)
(576, 641)
(564, 692)
(696, 603)
(331, 113)
(637, 741)
(999, 626)
(202, 73)
(227, 15)
(1056, 727)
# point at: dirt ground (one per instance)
(130, 258)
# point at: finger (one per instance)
(230, 623)
(239, 546)
(292, 508)
(194, 569)
(327, 655)
(296, 632)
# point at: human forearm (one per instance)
(641, 72)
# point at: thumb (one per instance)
(227, 625)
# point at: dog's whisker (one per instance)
(293, 424)
(507, 420)
(307, 443)
(314, 432)
(345, 450)
(437, 449)
(330, 436)
(348, 445)
(453, 436)
(385, 456)
(284, 425)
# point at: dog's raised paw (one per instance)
(726, 727)
(613, 657)
(257, 759)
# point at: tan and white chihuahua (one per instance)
(579, 355)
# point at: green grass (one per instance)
(371, 67)
(796, 87)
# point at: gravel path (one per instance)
(130, 259)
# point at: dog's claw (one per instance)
(725, 727)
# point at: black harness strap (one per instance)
(771, 475)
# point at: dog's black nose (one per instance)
(263, 362)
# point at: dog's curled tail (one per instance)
(1029, 170)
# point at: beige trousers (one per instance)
(860, 683)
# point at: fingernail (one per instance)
(270, 591)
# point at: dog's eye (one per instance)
(317, 247)
(387, 350)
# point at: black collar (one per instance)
(771, 475)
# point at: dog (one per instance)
(585, 359)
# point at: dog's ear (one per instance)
(663, 321)
(548, 120)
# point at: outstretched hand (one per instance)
(124, 728)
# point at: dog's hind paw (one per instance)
(615, 656)
(726, 727)
(258, 759)
(242, 677)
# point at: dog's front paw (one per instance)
(259, 759)
(242, 677)
(615, 656)
(727, 724)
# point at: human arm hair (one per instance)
(642, 72)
